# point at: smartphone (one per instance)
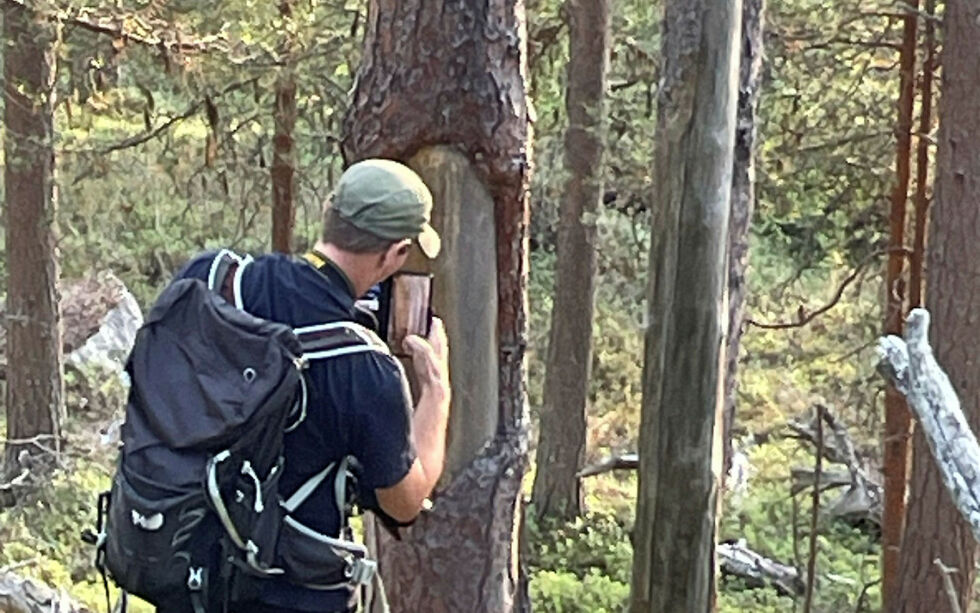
(408, 302)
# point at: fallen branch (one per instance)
(862, 500)
(737, 560)
(627, 461)
(20, 595)
(910, 365)
(17, 481)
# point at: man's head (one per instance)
(379, 208)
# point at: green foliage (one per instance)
(777, 525)
(582, 566)
(564, 592)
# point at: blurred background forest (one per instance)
(161, 155)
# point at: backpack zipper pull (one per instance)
(249, 471)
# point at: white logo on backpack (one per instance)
(151, 524)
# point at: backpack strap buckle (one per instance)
(195, 578)
(361, 571)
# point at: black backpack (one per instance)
(195, 515)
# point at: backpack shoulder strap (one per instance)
(225, 276)
(338, 338)
(325, 341)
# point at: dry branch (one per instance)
(134, 28)
(737, 560)
(627, 461)
(20, 595)
(862, 500)
(804, 317)
(910, 365)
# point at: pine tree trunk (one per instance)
(283, 158)
(898, 420)
(442, 87)
(34, 395)
(934, 529)
(743, 199)
(683, 374)
(561, 449)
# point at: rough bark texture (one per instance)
(743, 199)
(934, 529)
(453, 75)
(897, 419)
(561, 449)
(683, 380)
(35, 384)
(911, 366)
(283, 158)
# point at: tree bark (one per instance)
(898, 421)
(442, 87)
(683, 374)
(743, 200)
(283, 158)
(35, 385)
(561, 448)
(934, 529)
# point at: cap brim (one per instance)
(429, 242)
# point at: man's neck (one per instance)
(354, 265)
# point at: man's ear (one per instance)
(396, 250)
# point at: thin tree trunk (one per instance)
(561, 449)
(743, 199)
(683, 374)
(283, 158)
(898, 421)
(442, 87)
(35, 386)
(922, 160)
(934, 528)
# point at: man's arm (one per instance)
(430, 358)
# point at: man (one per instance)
(359, 403)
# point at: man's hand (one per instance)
(430, 358)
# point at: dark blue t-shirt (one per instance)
(359, 403)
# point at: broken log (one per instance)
(737, 560)
(912, 368)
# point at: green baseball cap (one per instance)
(388, 200)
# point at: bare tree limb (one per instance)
(115, 25)
(804, 318)
(811, 565)
(146, 136)
(627, 461)
(911, 366)
(954, 603)
(20, 595)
